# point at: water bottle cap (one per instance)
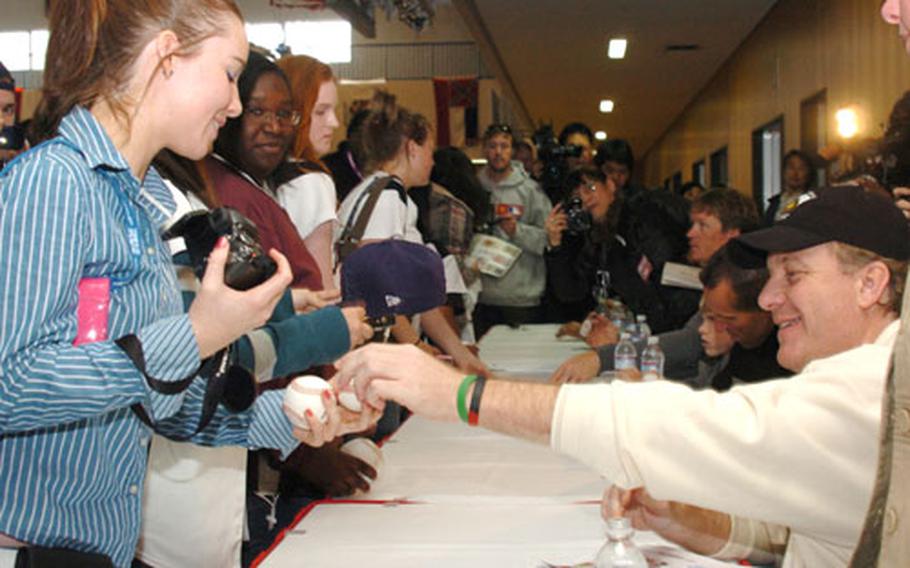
(641, 317)
(653, 340)
(624, 335)
(619, 527)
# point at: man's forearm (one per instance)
(700, 530)
(519, 408)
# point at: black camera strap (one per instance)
(226, 383)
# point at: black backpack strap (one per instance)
(359, 219)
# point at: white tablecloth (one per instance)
(530, 351)
(474, 498)
(444, 462)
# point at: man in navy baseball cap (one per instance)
(838, 265)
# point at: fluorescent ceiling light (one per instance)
(606, 105)
(600, 135)
(617, 48)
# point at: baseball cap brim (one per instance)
(781, 238)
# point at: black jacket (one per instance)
(572, 268)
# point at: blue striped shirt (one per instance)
(72, 453)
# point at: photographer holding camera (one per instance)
(582, 240)
(559, 156)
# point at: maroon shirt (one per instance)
(276, 230)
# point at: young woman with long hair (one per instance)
(309, 198)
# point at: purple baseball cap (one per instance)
(394, 277)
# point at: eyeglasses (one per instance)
(589, 187)
(284, 117)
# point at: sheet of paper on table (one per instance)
(529, 352)
(681, 276)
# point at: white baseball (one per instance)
(305, 393)
(349, 400)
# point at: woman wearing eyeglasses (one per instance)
(250, 163)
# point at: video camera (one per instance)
(890, 165)
(554, 157)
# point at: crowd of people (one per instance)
(180, 242)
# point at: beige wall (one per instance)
(416, 96)
(801, 48)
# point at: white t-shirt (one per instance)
(391, 218)
(309, 200)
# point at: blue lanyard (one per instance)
(131, 217)
(133, 235)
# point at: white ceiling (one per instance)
(555, 52)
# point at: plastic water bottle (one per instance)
(601, 291)
(642, 329)
(625, 356)
(620, 551)
(652, 361)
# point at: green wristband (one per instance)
(462, 403)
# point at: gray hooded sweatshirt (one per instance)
(523, 284)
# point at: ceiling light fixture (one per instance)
(617, 48)
(606, 105)
(600, 135)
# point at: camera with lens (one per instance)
(247, 264)
(578, 219)
(554, 157)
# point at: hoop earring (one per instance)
(168, 73)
